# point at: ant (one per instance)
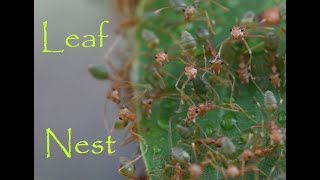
(127, 9)
(188, 10)
(162, 57)
(147, 105)
(238, 33)
(190, 71)
(243, 71)
(271, 46)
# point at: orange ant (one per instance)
(188, 10)
(127, 167)
(238, 33)
(276, 135)
(271, 45)
(190, 71)
(162, 57)
(127, 9)
(147, 105)
(216, 64)
(233, 171)
(113, 95)
(125, 114)
(275, 77)
(200, 109)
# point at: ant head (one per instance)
(237, 32)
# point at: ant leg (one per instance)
(209, 23)
(224, 42)
(206, 71)
(183, 95)
(213, 91)
(204, 57)
(181, 100)
(254, 82)
(220, 5)
(160, 77)
(194, 152)
(138, 157)
(232, 87)
(284, 83)
(113, 45)
(260, 108)
(249, 50)
(168, 7)
(279, 107)
(199, 95)
(274, 167)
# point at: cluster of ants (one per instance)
(266, 138)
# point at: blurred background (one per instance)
(66, 96)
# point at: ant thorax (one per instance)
(216, 63)
(247, 154)
(191, 71)
(126, 114)
(243, 73)
(276, 135)
(275, 79)
(146, 104)
(189, 11)
(162, 57)
(237, 32)
(204, 107)
(193, 112)
(113, 95)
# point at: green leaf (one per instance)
(238, 126)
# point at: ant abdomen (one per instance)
(181, 156)
(127, 168)
(228, 147)
(188, 43)
(248, 19)
(184, 131)
(283, 11)
(200, 85)
(202, 33)
(177, 3)
(120, 124)
(270, 101)
(271, 42)
(270, 15)
(150, 38)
